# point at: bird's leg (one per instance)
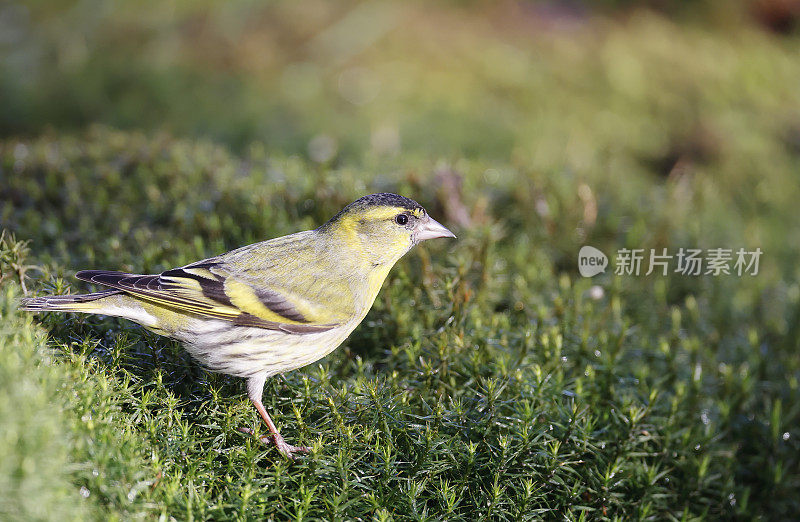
(255, 388)
(275, 437)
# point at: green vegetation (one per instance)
(490, 381)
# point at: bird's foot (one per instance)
(286, 449)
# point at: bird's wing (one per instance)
(212, 289)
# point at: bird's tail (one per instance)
(65, 303)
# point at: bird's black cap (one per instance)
(384, 199)
(381, 199)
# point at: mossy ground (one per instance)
(490, 381)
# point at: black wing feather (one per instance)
(154, 287)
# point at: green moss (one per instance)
(485, 380)
(35, 439)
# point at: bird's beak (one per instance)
(431, 229)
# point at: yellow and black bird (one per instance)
(270, 307)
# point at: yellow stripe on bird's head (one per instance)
(382, 227)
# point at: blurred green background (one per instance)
(490, 380)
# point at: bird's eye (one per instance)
(401, 219)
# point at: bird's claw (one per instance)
(286, 449)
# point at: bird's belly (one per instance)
(243, 351)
